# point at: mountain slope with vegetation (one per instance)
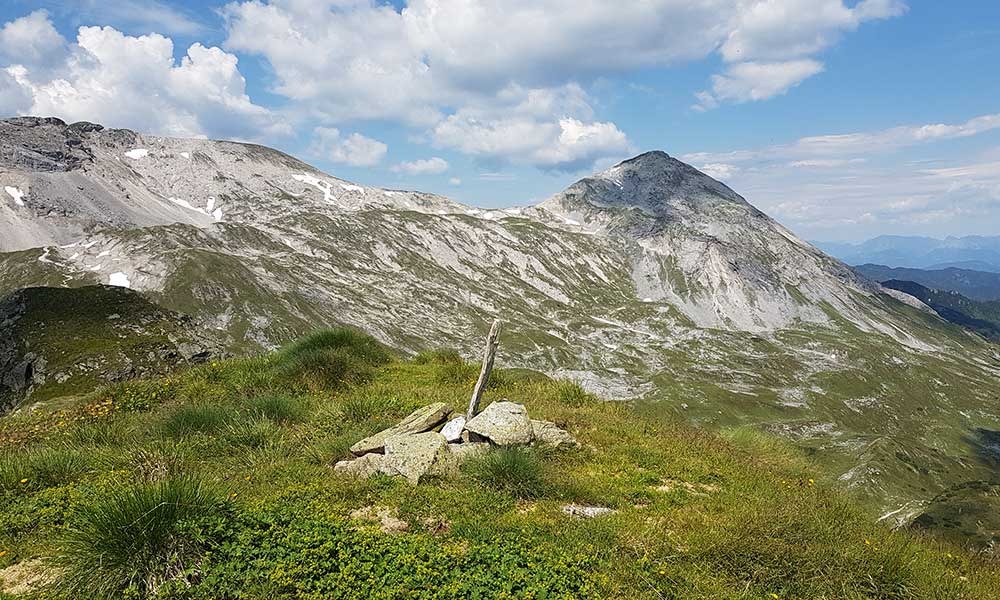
(56, 342)
(223, 478)
(981, 317)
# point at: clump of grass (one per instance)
(516, 471)
(331, 359)
(440, 356)
(136, 539)
(280, 408)
(256, 432)
(571, 394)
(156, 463)
(194, 418)
(40, 468)
(363, 404)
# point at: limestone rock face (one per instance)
(421, 420)
(413, 456)
(503, 423)
(452, 430)
(546, 432)
(361, 468)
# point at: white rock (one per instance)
(503, 423)
(452, 430)
(586, 512)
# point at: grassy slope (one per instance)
(94, 334)
(250, 444)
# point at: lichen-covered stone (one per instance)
(360, 468)
(546, 432)
(503, 423)
(416, 455)
(421, 420)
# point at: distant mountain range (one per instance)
(980, 253)
(977, 285)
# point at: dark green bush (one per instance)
(136, 539)
(516, 471)
(330, 360)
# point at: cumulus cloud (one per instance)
(769, 49)
(749, 81)
(455, 181)
(135, 82)
(425, 166)
(355, 150)
(32, 42)
(720, 171)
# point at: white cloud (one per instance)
(355, 150)
(134, 82)
(720, 171)
(770, 47)
(455, 181)
(138, 16)
(749, 81)
(14, 97)
(31, 41)
(426, 166)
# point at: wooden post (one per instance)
(492, 341)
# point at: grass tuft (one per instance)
(515, 471)
(194, 418)
(280, 408)
(40, 468)
(137, 539)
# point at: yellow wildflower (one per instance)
(26, 481)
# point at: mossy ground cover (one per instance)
(218, 483)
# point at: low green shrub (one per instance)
(136, 539)
(515, 471)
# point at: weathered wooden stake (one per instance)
(492, 341)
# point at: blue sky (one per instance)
(842, 119)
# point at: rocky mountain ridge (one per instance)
(649, 280)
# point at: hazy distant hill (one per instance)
(977, 285)
(970, 252)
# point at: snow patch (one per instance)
(119, 279)
(316, 182)
(185, 155)
(16, 194)
(137, 153)
(217, 214)
(353, 188)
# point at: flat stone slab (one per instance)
(416, 455)
(360, 468)
(503, 423)
(421, 420)
(546, 432)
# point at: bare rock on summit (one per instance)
(503, 423)
(417, 455)
(421, 420)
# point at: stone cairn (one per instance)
(433, 441)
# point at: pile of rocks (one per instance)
(433, 441)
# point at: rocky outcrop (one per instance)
(415, 456)
(60, 342)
